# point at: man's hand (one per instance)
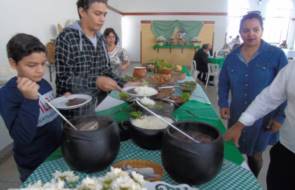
(224, 113)
(274, 126)
(234, 133)
(106, 83)
(28, 88)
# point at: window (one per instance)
(236, 9)
(277, 20)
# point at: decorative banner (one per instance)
(181, 30)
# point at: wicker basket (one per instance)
(142, 164)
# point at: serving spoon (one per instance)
(58, 112)
(167, 122)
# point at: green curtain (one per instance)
(166, 28)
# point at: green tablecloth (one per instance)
(230, 177)
(216, 60)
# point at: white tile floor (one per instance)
(9, 174)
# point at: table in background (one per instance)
(216, 60)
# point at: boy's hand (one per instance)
(28, 88)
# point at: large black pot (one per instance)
(91, 150)
(190, 162)
(150, 139)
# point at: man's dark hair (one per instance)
(252, 15)
(205, 46)
(22, 45)
(85, 4)
(107, 31)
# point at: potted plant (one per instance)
(162, 66)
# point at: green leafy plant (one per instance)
(135, 114)
(123, 95)
(161, 64)
(185, 96)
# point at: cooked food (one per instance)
(165, 92)
(188, 86)
(161, 78)
(145, 91)
(184, 97)
(150, 122)
(147, 101)
(203, 138)
(75, 101)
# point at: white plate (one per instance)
(131, 91)
(60, 102)
(163, 185)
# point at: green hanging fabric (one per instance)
(189, 29)
(163, 28)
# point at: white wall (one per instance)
(170, 5)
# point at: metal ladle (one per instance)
(167, 122)
(58, 112)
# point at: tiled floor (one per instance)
(9, 174)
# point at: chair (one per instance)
(194, 70)
(213, 70)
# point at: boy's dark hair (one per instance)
(252, 15)
(22, 45)
(85, 4)
(107, 31)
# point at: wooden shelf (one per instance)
(188, 46)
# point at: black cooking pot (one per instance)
(150, 139)
(190, 162)
(91, 150)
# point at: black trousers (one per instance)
(281, 171)
(202, 76)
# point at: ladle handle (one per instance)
(164, 120)
(58, 112)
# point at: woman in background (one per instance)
(247, 70)
(118, 55)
